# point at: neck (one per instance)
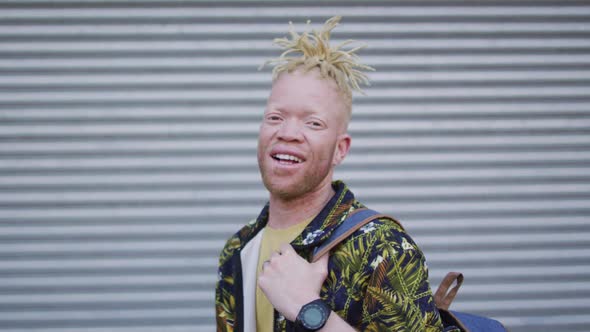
(284, 213)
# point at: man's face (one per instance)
(303, 134)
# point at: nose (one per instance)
(290, 131)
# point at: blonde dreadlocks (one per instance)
(312, 50)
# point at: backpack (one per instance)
(443, 297)
(464, 321)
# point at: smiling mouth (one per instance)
(286, 159)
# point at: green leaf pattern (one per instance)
(377, 278)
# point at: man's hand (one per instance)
(289, 281)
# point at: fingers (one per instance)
(287, 255)
(286, 249)
(321, 265)
(322, 261)
(275, 255)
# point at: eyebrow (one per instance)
(306, 112)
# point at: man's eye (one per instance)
(315, 124)
(274, 118)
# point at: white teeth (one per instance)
(287, 157)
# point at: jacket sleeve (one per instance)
(225, 301)
(397, 295)
(222, 310)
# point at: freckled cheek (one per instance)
(264, 138)
(323, 148)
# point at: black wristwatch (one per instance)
(313, 316)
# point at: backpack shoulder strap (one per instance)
(443, 296)
(464, 321)
(355, 220)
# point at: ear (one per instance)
(342, 147)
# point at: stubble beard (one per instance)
(296, 187)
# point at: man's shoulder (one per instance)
(383, 223)
(385, 230)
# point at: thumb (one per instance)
(321, 265)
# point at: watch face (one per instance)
(313, 317)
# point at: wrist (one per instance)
(298, 305)
(313, 316)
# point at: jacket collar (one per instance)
(321, 227)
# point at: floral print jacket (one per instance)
(377, 278)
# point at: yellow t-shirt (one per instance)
(272, 239)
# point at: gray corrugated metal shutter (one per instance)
(127, 152)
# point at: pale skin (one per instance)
(305, 119)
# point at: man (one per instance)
(375, 280)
